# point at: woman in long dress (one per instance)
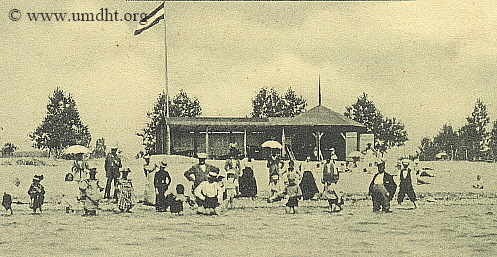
(149, 169)
(248, 184)
(308, 185)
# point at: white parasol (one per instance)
(272, 144)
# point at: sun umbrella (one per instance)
(272, 144)
(441, 155)
(355, 154)
(75, 149)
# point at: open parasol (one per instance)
(76, 149)
(272, 144)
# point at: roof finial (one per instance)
(319, 89)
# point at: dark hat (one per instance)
(93, 170)
(38, 177)
(127, 170)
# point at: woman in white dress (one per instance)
(149, 169)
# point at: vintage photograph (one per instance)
(248, 128)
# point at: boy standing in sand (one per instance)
(406, 184)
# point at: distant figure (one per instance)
(36, 194)
(274, 164)
(112, 166)
(247, 182)
(70, 193)
(162, 180)
(199, 173)
(149, 170)
(233, 151)
(328, 171)
(382, 189)
(405, 187)
(126, 194)
(369, 157)
(479, 183)
(80, 167)
(90, 190)
(233, 165)
(177, 200)
(308, 186)
(332, 193)
(292, 171)
(230, 186)
(277, 188)
(7, 202)
(294, 193)
(209, 194)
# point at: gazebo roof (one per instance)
(317, 116)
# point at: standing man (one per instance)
(406, 184)
(112, 166)
(199, 173)
(162, 180)
(382, 189)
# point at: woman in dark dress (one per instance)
(308, 186)
(247, 183)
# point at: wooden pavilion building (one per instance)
(314, 131)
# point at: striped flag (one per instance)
(151, 19)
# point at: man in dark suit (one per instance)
(112, 166)
(382, 189)
(199, 173)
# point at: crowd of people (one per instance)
(212, 187)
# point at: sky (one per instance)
(422, 62)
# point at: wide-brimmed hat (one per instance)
(275, 176)
(202, 155)
(127, 170)
(381, 161)
(146, 156)
(406, 161)
(93, 170)
(213, 174)
(38, 177)
(163, 164)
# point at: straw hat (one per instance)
(202, 155)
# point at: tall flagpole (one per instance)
(168, 129)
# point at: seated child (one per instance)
(294, 193)
(176, 200)
(333, 195)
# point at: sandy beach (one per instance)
(452, 220)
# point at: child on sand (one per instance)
(7, 202)
(479, 183)
(230, 187)
(90, 193)
(209, 193)
(177, 199)
(333, 195)
(294, 193)
(36, 194)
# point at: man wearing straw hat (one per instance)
(199, 173)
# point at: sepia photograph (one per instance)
(248, 128)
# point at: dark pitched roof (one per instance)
(217, 121)
(317, 116)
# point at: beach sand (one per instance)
(452, 220)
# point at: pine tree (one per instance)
(388, 132)
(473, 135)
(269, 103)
(62, 127)
(153, 135)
